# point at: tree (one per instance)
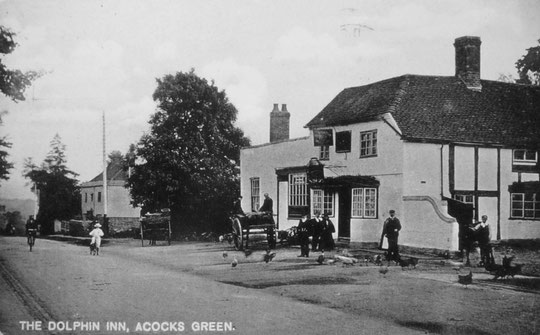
(189, 160)
(13, 83)
(59, 196)
(5, 166)
(528, 66)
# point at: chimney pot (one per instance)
(468, 61)
(279, 123)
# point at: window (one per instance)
(525, 157)
(525, 205)
(255, 194)
(85, 197)
(343, 141)
(368, 143)
(91, 197)
(468, 199)
(364, 202)
(322, 202)
(324, 153)
(297, 190)
(99, 197)
(298, 194)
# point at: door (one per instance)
(344, 216)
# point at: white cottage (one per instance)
(410, 143)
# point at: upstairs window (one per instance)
(343, 141)
(368, 143)
(99, 197)
(85, 197)
(255, 193)
(324, 153)
(525, 157)
(524, 160)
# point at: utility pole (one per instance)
(104, 171)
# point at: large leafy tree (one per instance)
(528, 66)
(189, 160)
(5, 165)
(59, 196)
(13, 83)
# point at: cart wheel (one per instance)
(237, 234)
(271, 238)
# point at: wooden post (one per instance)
(142, 235)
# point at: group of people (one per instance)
(320, 229)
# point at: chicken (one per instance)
(269, 256)
(221, 238)
(407, 262)
(225, 255)
(378, 260)
(465, 279)
(383, 270)
(234, 262)
(247, 253)
(320, 259)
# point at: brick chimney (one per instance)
(279, 123)
(468, 61)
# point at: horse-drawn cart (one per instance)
(253, 223)
(156, 226)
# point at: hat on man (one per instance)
(392, 211)
(97, 225)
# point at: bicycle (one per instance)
(31, 237)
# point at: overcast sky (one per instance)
(104, 56)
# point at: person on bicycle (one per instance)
(31, 226)
(31, 231)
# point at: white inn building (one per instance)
(410, 143)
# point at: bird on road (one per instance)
(247, 253)
(269, 256)
(225, 255)
(234, 262)
(383, 270)
(320, 259)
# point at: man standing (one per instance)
(268, 204)
(391, 229)
(484, 240)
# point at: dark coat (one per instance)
(267, 206)
(391, 229)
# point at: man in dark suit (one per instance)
(391, 229)
(268, 204)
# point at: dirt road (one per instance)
(147, 289)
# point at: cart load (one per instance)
(255, 223)
(156, 227)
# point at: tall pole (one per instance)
(104, 171)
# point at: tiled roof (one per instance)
(436, 108)
(115, 171)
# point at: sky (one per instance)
(103, 58)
